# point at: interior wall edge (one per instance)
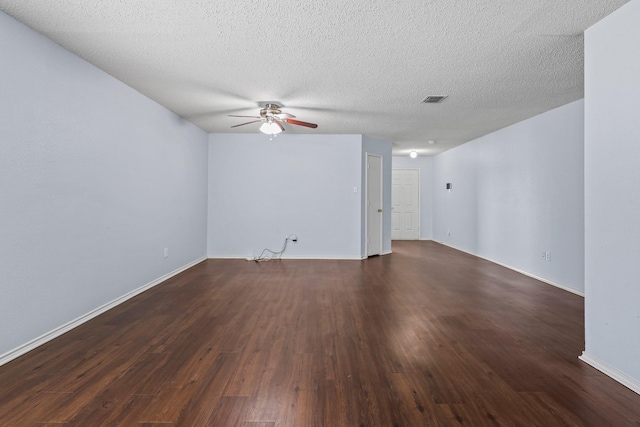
(611, 372)
(533, 276)
(44, 338)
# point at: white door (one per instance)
(405, 219)
(374, 204)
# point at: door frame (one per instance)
(366, 217)
(419, 199)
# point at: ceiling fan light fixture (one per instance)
(272, 119)
(270, 128)
(413, 154)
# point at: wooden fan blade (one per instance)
(279, 125)
(242, 124)
(300, 123)
(248, 117)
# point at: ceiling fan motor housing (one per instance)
(270, 110)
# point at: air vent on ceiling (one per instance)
(433, 99)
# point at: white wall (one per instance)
(516, 193)
(95, 181)
(612, 194)
(261, 191)
(382, 148)
(425, 166)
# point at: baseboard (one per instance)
(294, 258)
(25, 348)
(621, 377)
(533, 276)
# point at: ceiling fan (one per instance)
(273, 117)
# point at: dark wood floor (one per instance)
(425, 336)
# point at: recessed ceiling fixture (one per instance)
(413, 154)
(433, 99)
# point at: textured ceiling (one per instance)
(358, 66)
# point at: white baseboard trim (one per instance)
(621, 377)
(386, 253)
(42, 339)
(294, 258)
(421, 239)
(533, 276)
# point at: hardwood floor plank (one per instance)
(195, 389)
(230, 411)
(256, 424)
(426, 336)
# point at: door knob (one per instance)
(379, 210)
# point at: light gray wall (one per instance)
(516, 193)
(95, 181)
(612, 191)
(425, 166)
(261, 191)
(381, 148)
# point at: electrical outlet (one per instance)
(166, 252)
(547, 256)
